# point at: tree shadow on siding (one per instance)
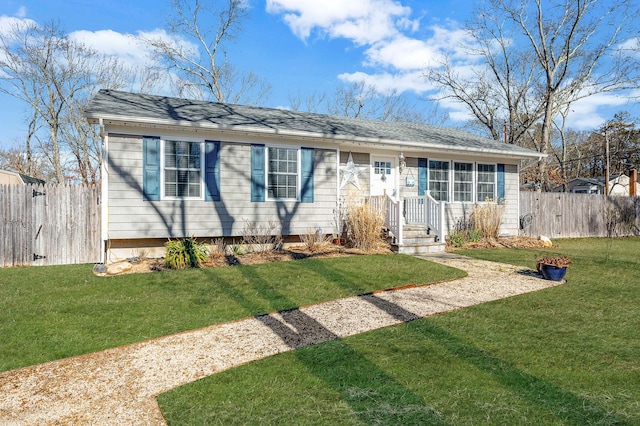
(175, 228)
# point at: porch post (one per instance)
(442, 221)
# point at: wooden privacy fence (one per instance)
(567, 215)
(49, 225)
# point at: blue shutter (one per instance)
(307, 165)
(257, 173)
(151, 168)
(422, 176)
(211, 171)
(500, 181)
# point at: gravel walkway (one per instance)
(119, 385)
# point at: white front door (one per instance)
(383, 176)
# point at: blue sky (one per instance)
(298, 46)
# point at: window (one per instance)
(282, 173)
(182, 169)
(382, 167)
(463, 182)
(439, 180)
(486, 182)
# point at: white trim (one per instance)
(495, 180)
(449, 178)
(297, 135)
(298, 172)
(473, 182)
(163, 140)
(104, 189)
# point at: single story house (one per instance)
(618, 185)
(16, 178)
(178, 167)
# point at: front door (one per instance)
(383, 176)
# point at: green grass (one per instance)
(568, 355)
(47, 313)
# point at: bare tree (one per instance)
(54, 76)
(199, 60)
(538, 57)
(363, 100)
(16, 160)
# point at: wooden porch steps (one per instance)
(418, 240)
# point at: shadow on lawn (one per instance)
(376, 397)
(373, 396)
(559, 402)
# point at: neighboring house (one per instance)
(177, 167)
(618, 185)
(12, 178)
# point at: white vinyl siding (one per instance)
(131, 217)
(463, 182)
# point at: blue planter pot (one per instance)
(553, 273)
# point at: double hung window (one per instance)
(486, 188)
(463, 182)
(182, 169)
(439, 180)
(282, 173)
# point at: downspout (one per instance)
(104, 210)
(337, 216)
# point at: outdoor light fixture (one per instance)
(403, 161)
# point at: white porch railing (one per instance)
(427, 211)
(422, 210)
(393, 216)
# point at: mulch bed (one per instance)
(218, 260)
(325, 251)
(506, 242)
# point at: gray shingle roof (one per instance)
(30, 180)
(132, 107)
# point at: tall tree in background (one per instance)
(538, 57)
(200, 61)
(54, 76)
(362, 100)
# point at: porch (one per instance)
(416, 224)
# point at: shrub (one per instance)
(457, 238)
(487, 218)
(364, 225)
(217, 249)
(313, 239)
(186, 252)
(262, 238)
(237, 249)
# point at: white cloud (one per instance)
(386, 82)
(127, 48)
(10, 23)
(22, 12)
(387, 29)
(593, 111)
(361, 21)
(403, 53)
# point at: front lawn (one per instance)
(47, 313)
(566, 355)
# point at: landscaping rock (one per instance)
(118, 268)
